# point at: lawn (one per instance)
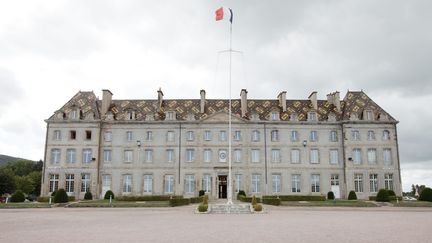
(329, 203)
(413, 204)
(25, 205)
(115, 203)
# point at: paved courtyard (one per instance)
(278, 224)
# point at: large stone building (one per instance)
(279, 146)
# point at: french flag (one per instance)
(220, 14)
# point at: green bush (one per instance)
(330, 195)
(203, 207)
(201, 193)
(391, 193)
(241, 193)
(257, 207)
(205, 199)
(18, 196)
(174, 202)
(352, 195)
(88, 196)
(382, 196)
(61, 196)
(196, 199)
(426, 195)
(254, 201)
(53, 193)
(71, 198)
(298, 197)
(108, 194)
(249, 199)
(147, 198)
(271, 201)
(372, 198)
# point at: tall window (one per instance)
(294, 136)
(371, 135)
(371, 155)
(222, 136)
(355, 135)
(190, 136)
(108, 136)
(149, 136)
(57, 135)
(373, 182)
(255, 155)
(206, 183)
(276, 155)
(170, 155)
(276, 183)
(237, 135)
(190, 184)
(87, 155)
(207, 135)
(238, 182)
(314, 156)
(72, 135)
(190, 155)
(358, 182)
(170, 136)
(129, 136)
(386, 135)
(55, 156)
(334, 180)
(207, 155)
(53, 182)
(255, 136)
(256, 184)
(315, 183)
(357, 156)
(334, 156)
(148, 155)
(333, 136)
(148, 183)
(274, 135)
(85, 182)
(71, 155)
(295, 156)
(388, 181)
(237, 155)
(313, 136)
(107, 155)
(70, 183)
(127, 183)
(295, 182)
(128, 156)
(387, 156)
(106, 181)
(169, 183)
(88, 135)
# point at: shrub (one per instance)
(254, 201)
(330, 195)
(352, 195)
(203, 207)
(257, 207)
(108, 194)
(205, 199)
(61, 196)
(147, 198)
(196, 199)
(249, 199)
(179, 202)
(88, 196)
(298, 197)
(71, 198)
(201, 193)
(271, 201)
(391, 193)
(18, 196)
(426, 195)
(53, 193)
(241, 193)
(382, 196)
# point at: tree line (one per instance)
(24, 175)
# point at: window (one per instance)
(108, 136)
(334, 156)
(276, 155)
(170, 136)
(223, 155)
(313, 136)
(107, 155)
(170, 155)
(190, 184)
(355, 135)
(129, 136)
(87, 155)
(314, 156)
(169, 183)
(206, 183)
(207, 135)
(190, 136)
(255, 136)
(388, 181)
(127, 183)
(386, 135)
(358, 182)
(148, 155)
(128, 156)
(315, 183)
(72, 135)
(295, 182)
(334, 180)
(130, 115)
(207, 155)
(371, 135)
(149, 136)
(276, 183)
(294, 136)
(312, 116)
(373, 182)
(295, 156)
(74, 114)
(190, 155)
(70, 183)
(237, 135)
(71, 155)
(333, 136)
(88, 135)
(55, 156)
(222, 136)
(237, 155)
(106, 182)
(356, 156)
(57, 135)
(53, 182)
(255, 155)
(369, 115)
(387, 157)
(170, 115)
(274, 135)
(275, 116)
(85, 182)
(371, 155)
(256, 178)
(148, 183)
(238, 182)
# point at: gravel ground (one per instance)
(181, 224)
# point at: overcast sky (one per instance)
(49, 50)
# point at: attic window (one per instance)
(312, 116)
(293, 117)
(368, 115)
(274, 116)
(254, 117)
(170, 116)
(131, 115)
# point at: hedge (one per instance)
(179, 202)
(147, 198)
(298, 197)
(196, 199)
(271, 201)
(248, 199)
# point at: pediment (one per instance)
(222, 116)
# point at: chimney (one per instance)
(106, 101)
(313, 100)
(160, 98)
(202, 103)
(282, 100)
(243, 96)
(336, 100)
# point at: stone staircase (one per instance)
(244, 208)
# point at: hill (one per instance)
(4, 159)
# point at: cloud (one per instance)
(10, 89)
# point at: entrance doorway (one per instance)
(222, 186)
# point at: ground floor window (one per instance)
(334, 180)
(53, 182)
(106, 181)
(315, 183)
(238, 182)
(295, 181)
(169, 184)
(206, 183)
(70, 183)
(388, 181)
(85, 182)
(189, 185)
(148, 183)
(358, 182)
(276, 183)
(256, 178)
(127, 183)
(373, 182)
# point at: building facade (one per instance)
(178, 147)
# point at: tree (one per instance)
(35, 177)
(22, 167)
(18, 196)
(426, 195)
(7, 183)
(24, 183)
(413, 190)
(352, 195)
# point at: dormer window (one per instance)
(274, 116)
(254, 117)
(368, 115)
(74, 114)
(130, 115)
(149, 117)
(170, 116)
(331, 117)
(190, 117)
(353, 117)
(90, 116)
(312, 116)
(109, 116)
(60, 115)
(293, 117)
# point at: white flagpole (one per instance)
(229, 202)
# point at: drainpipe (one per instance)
(344, 158)
(43, 188)
(265, 157)
(179, 152)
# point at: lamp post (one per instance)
(304, 143)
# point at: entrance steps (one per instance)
(244, 208)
